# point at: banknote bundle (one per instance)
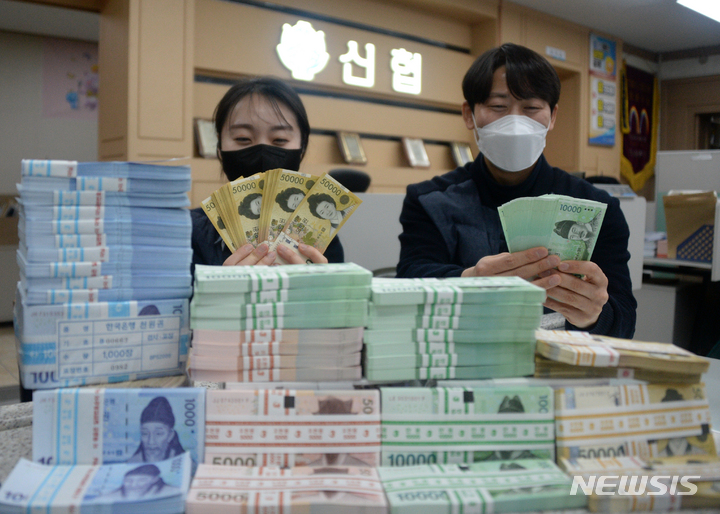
(93, 231)
(499, 486)
(102, 244)
(299, 490)
(111, 426)
(566, 226)
(454, 328)
(280, 207)
(581, 350)
(159, 487)
(646, 421)
(631, 484)
(451, 425)
(286, 428)
(288, 323)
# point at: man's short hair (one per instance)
(529, 75)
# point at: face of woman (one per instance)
(326, 210)
(254, 121)
(294, 200)
(155, 438)
(255, 205)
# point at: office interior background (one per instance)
(156, 66)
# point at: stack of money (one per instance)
(580, 354)
(499, 486)
(293, 428)
(285, 323)
(95, 303)
(160, 487)
(280, 207)
(110, 426)
(299, 490)
(566, 226)
(457, 328)
(461, 425)
(631, 484)
(646, 421)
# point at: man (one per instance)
(451, 226)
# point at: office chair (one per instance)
(355, 180)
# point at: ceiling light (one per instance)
(709, 8)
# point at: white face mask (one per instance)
(512, 143)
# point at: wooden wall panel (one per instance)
(681, 101)
(147, 75)
(221, 22)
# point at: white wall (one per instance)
(24, 133)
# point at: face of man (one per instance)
(138, 485)
(500, 103)
(578, 232)
(155, 438)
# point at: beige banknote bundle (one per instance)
(580, 354)
(646, 421)
(631, 484)
(289, 428)
(299, 490)
(280, 207)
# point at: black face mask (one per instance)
(258, 158)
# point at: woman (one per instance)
(261, 125)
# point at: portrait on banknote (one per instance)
(159, 440)
(143, 482)
(323, 207)
(250, 206)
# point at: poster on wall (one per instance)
(639, 121)
(70, 79)
(603, 91)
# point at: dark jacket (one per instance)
(209, 248)
(451, 222)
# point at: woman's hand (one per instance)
(308, 253)
(247, 255)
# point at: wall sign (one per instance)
(303, 51)
(603, 91)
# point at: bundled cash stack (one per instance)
(111, 426)
(658, 485)
(289, 323)
(562, 354)
(454, 328)
(104, 260)
(299, 490)
(280, 207)
(646, 421)
(566, 226)
(499, 486)
(289, 428)
(463, 425)
(158, 487)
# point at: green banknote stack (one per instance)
(499, 486)
(566, 226)
(288, 323)
(464, 328)
(447, 425)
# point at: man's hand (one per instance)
(580, 300)
(247, 255)
(527, 264)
